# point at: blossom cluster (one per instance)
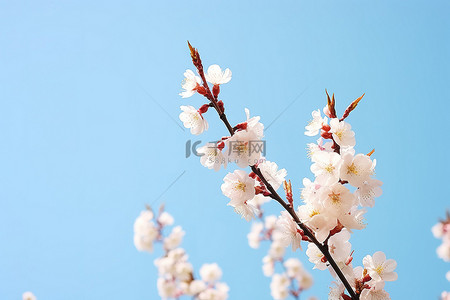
(295, 279)
(175, 272)
(442, 231)
(334, 203)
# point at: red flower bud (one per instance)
(241, 126)
(326, 127)
(221, 107)
(326, 135)
(201, 90)
(346, 297)
(203, 108)
(216, 90)
(220, 146)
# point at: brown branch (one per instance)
(273, 194)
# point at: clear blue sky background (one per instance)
(88, 94)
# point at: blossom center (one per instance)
(339, 134)
(240, 186)
(329, 168)
(352, 169)
(335, 198)
(379, 269)
(313, 213)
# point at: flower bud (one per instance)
(216, 90)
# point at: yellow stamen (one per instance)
(240, 186)
(352, 169)
(335, 198)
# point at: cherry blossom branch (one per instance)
(306, 231)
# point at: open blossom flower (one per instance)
(342, 133)
(238, 186)
(277, 250)
(337, 199)
(210, 272)
(368, 191)
(192, 119)
(174, 239)
(268, 266)
(288, 231)
(244, 148)
(311, 191)
(293, 267)
(320, 146)
(254, 236)
(274, 176)
(339, 245)
(357, 169)
(438, 230)
(219, 293)
(211, 156)
(379, 268)
(375, 293)
(189, 84)
(145, 231)
(246, 209)
(354, 219)
(326, 167)
(216, 76)
(28, 296)
(316, 257)
(279, 286)
(166, 288)
(336, 291)
(315, 216)
(443, 251)
(165, 219)
(254, 125)
(315, 125)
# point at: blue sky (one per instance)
(88, 99)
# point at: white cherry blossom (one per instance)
(174, 239)
(211, 156)
(254, 238)
(189, 84)
(326, 167)
(270, 172)
(368, 191)
(254, 125)
(315, 125)
(193, 120)
(357, 169)
(238, 186)
(380, 268)
(244, 148)
(289, 234)
(210, 272)
(279, 286)
(337, 199)
(342, 133)
(216, 76)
